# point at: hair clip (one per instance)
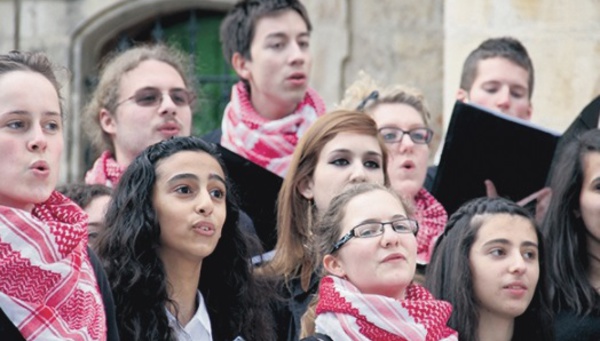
(372, 96)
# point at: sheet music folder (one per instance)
(257, 190)
(481, 144)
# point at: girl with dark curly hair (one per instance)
(178, 264)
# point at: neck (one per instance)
(122, 158)
(494, 328)
(183, 278)
(272, 110)
(593, 270)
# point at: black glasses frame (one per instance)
(410, 133)
(351, 234)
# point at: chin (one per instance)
(406, 189)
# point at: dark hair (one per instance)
(238, 27)
(31, 61)
(449, 274)
(234, 299)
(566, 232)
(83, 194)
(504, 47)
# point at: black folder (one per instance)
(481, 144)
(257, 190)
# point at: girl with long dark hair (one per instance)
(178, 264)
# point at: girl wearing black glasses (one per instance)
(403, 118)
(489, 264)
(366, 243)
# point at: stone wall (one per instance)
(563, 40)
(421, 44)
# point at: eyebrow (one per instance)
(211, 176)
(507, 242)
(344, 150)
(284, 35)
(23, 112)
(373, 220)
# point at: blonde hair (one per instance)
(364, 86)
(106, 94)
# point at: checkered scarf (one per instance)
(48, 288)
(344, 313)
(268, 143)
(105, 171)
(432, 218)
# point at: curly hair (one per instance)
(361, 95)
(566, 232)
(235, 300)
(449, 274)
(106, 94)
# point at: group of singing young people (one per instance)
(364, 251)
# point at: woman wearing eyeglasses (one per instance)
(402, 117)
(367, 246)
(489, 264)
(143, 97)
(340, 149)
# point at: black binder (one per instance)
(257, 190)
(481, 144)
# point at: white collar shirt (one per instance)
(197, 329)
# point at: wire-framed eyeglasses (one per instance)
(421, 135)
(375, 228)
(150, 97)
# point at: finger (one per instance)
(490, 189)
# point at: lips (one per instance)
(394, 257)
(516, 288)
(40, 167)
(204, 228)
(169, 128)
(297, 78)
(408, 164)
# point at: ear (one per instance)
(333, 266)
(241, 66)
(306, 188)
(462, 95)
(107, 122)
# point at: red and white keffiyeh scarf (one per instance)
(268, 143)
(48, 288)
(105, 171)
(344, 313)
(432, 218)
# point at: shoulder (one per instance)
(317, 337)
(570, 326)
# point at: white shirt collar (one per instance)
(198, 328)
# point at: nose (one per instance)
(167, 106)
(358, 173)
(205, 204)
(298, 54)
(389, 236)
(517, 265)
(38, 141)
(503, 98)
(405, 144)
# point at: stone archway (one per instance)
(85, 52)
